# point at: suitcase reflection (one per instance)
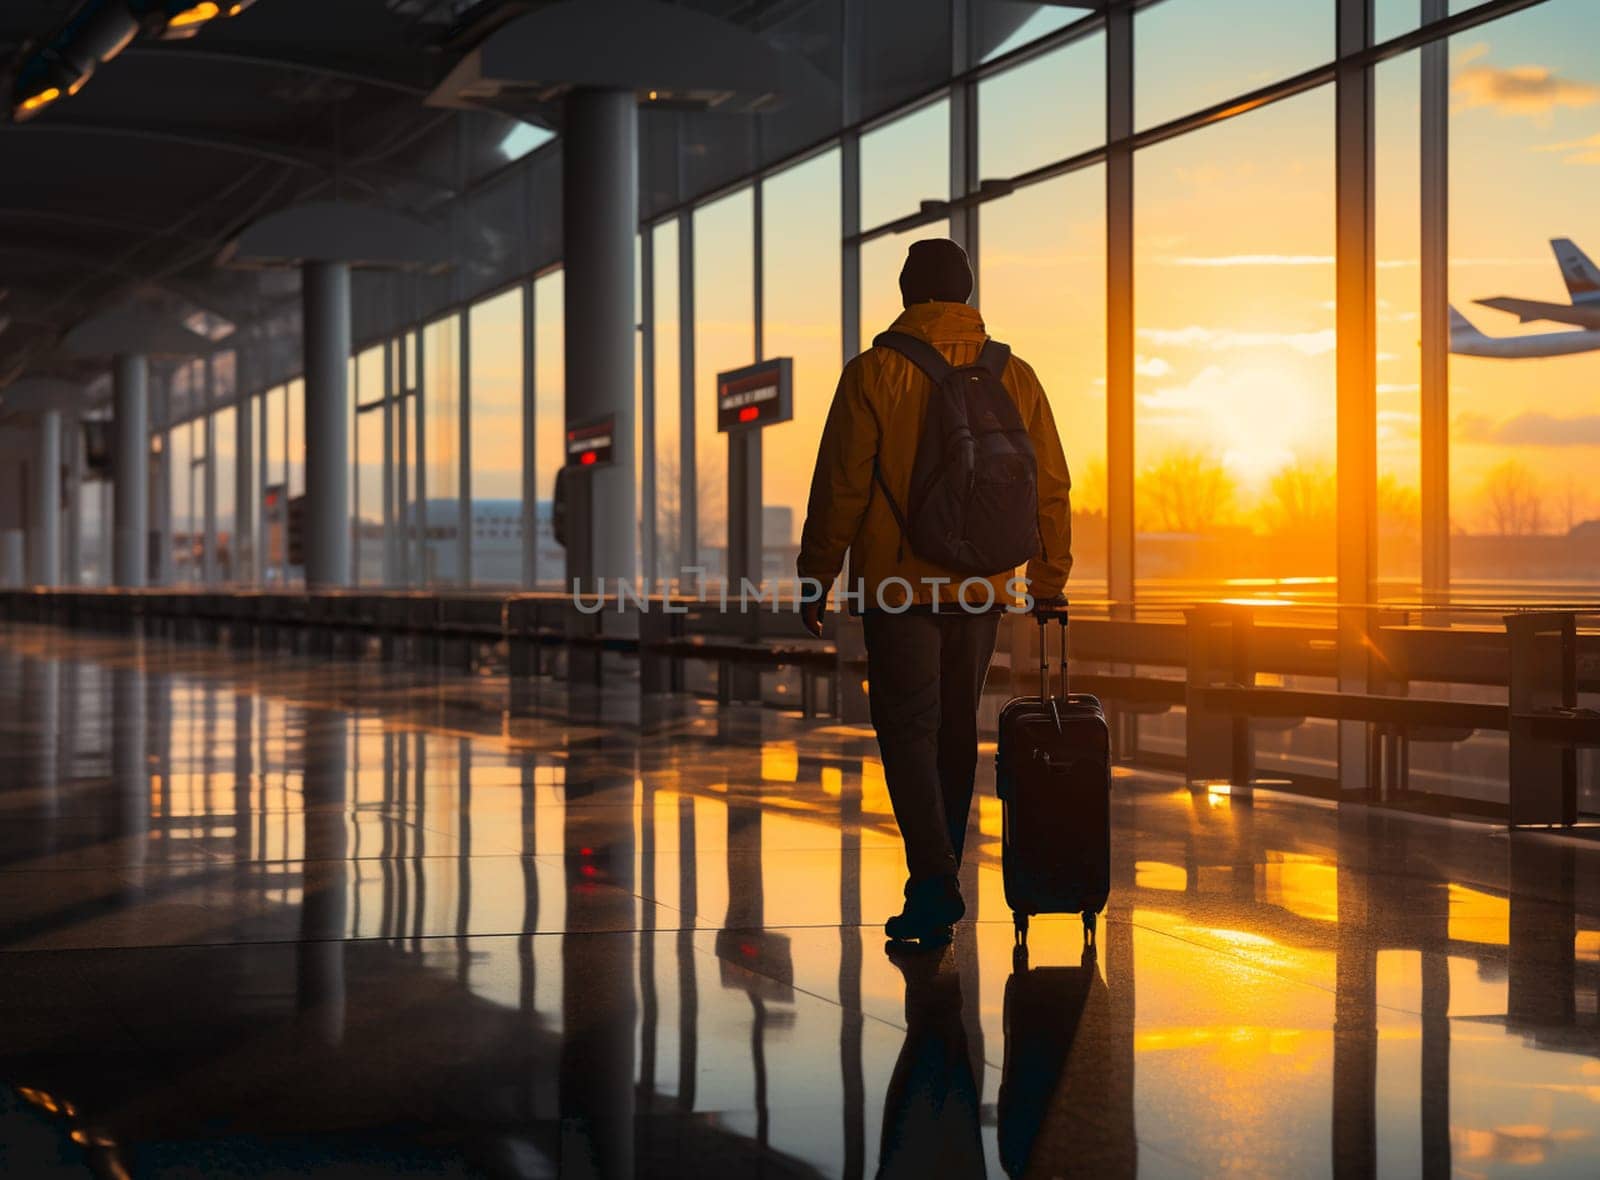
(1058, 1112)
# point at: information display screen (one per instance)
(757, 395)
(590, 445)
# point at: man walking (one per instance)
(931, 621)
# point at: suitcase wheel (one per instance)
(1019, 952)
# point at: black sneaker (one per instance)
(932, 907)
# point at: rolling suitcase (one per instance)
(1053, 777)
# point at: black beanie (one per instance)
(935, 269)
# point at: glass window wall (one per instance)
(225, 464)
(441, 390)
(800, 301)
(181, 457)
(1190, 54)
(903, 163)
(1042, 261)
(274, 481)
(724, 338)
(550, 416)
(1045, 109)
(1398, 204)
(668, 375)
(496, 508)
(366, 499)
(1524, 432)
(1235, 411)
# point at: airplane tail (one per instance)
(1462, 329)
(1581, 274)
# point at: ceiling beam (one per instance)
(309, 161)
(179, 51)
(86, 221)
(89, 259)
(235, 145)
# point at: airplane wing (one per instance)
(1531, 310)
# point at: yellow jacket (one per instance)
(877, 413)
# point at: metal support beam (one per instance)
(688, 497)
(391, 413)
(1120, 458)
(404, 404)
(464, 450)
(208, 426)
(1357, 429)
(130, 461)
(264, 469)
(1435, 302)
(530, 439)
(46, 463)
(325, 289)
(850, 255)
(77, 490)
(245, 494)
(648, 547)
(964, 135)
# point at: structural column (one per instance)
(325, 296)
(130, 466)
(600, 197)
(1435, 309)
(208, 481)
(47, 501)
(1120, 524)
(1357, 430)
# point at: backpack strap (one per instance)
(899, 516)
(994, 357)
(918, 351)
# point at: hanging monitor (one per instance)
(590, 445)
(758, 395)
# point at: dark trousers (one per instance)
(925, 676)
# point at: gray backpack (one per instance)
(973, 507)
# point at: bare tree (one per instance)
(1513, 502)
(1301, 500)
(1185, 491)
(1399, 508)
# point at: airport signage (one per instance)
(757, 395)
(590, 445)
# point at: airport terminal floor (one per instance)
(270, 914)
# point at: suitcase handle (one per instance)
(1044, 618)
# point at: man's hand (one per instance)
(1049, 608)
(811, 615)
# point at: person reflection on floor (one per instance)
(930, 1115)
(1057, 1114)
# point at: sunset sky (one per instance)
(1234, 262)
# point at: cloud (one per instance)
(1577, 151)
(1530, 430)
(1535, 91)
(1222, 340)
(1151, 366)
